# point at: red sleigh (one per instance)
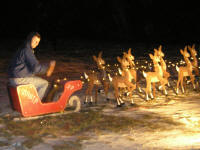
(25, 99)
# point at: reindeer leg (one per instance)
(148, 89)
(192, 79)
(178, 82)
(154, 89)
(86, 96)
(164, 88)
(116, 93)
(91, 100)
(183, 91)
(106, 88)
(133, 87)
(167, 75)
(86, 99)
(163, 82)
(96, 94)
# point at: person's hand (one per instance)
(51, 68)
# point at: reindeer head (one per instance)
(129, 57)
(155, 57)
(160, 53)
(192, 50)
(99, 60)
(124, 62)
(185, 52)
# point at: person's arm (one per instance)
(51, 68)
(34, 64)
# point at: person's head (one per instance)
(35, 40)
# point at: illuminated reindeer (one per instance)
(184, 71)
(195, 61)
(162, 63)
(122, 81)
(134, 72)
(97, 79)
(154, 77)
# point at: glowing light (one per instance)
(58, 80)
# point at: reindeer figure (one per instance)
(162, 63)
(185, 71)
(103, 77)
(134, 72)
(195, 61)
(97, 79)
(154, 77)
(93, 81)
(123, 81)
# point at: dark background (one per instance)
(103, 20)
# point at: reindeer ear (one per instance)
(155, 51)
(185, 48)
(100, 54)
(129, 50)
(181, 51)
(193, 46)
(151, 56)
(124, 53)
(160, 48)
(119, 59)
(190, 48)
(95, 58)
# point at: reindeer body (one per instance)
(133, 71)
(162, 63)
(184, 71)
(195, 61)
(154, 77)
(97, 79)
(123, 81)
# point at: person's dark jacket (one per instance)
(24, 63)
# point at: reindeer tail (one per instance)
(85, 75)
(144, 74)
(110, 78)
(177, 68)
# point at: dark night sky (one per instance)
(137, 20)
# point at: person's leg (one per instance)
(40, 84)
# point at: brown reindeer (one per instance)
(122, 81)
(194, 61)
(134, 72)
(97, 79)
(185, 71)
(162, 63)
(154, 77)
